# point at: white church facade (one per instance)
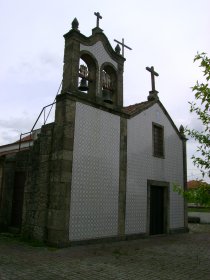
(100, 170)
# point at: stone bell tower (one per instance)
(92, 84)
(92, 69)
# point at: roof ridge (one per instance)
(131, 109)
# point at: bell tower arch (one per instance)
(92, 69)
(109, 83)
(88, 69)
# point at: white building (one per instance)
(100, 170)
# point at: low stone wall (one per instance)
(204, 217)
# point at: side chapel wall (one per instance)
(143, 166)
(36, 192)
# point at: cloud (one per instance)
(7, 137)
(50, 59)
(11, 129)
(44, 66)
(15, 123)
(196, 124)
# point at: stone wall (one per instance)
(36, 193)
(48, 166)
(7, 191)
(61, 172)
(203, 216)
(10, 164)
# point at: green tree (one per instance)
(201, 107)
(199, 195)
(201, 159)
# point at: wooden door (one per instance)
(156, 210)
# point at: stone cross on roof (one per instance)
(153, 74)
(123, 45)
(98, 17)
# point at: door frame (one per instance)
(166, 187)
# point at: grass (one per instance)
(196, 209)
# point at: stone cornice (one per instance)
(91, 40)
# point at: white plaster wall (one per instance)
(142, 165)
(95, 175)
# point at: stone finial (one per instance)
(118, 49)
(75, 24)
(181, 129)
(153, 96)
(123, 46)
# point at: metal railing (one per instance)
(43, 112)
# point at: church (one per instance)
(100, 171)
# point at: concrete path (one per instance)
(181, 256)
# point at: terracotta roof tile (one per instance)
(26, 138)
(193, 184)
(132, 109)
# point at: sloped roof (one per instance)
(16, 146)
(136, 108)
(26, 138)
(193, 184)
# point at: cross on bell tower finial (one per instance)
(123, 45)
(153, 93)
(98, 17)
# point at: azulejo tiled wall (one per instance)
(142, 166)
(95, 174)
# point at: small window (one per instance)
(158, 140)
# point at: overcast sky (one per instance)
(165, 34)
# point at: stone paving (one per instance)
(180, 256)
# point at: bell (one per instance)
(107, 96)
(83, 85)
